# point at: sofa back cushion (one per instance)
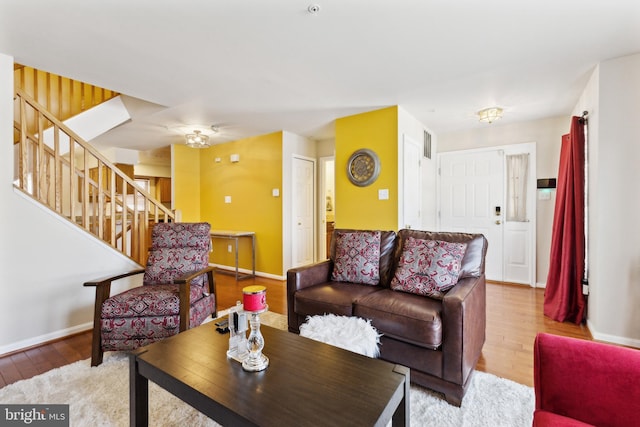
(387, 246)
(428, 267)
(357, 257)
(473, 262)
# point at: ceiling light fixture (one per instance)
(197, 139)
(489, 115)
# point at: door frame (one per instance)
(525, 147)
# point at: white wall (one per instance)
(410, 126)
(612, 98)
(547, 134)
(43, 260)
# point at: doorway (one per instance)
(326, 205)
(476, 196)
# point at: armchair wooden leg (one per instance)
(102, 293)
(211, 279)
(96, 346)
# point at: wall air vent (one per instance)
(427, 144)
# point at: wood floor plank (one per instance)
(8, 371)
(40, 360)
(24, 365)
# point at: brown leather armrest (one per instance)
(308, 275)
(303, 277)
(464, 321)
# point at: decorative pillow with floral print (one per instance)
(428, 267)
(357, 257)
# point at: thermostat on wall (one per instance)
(547, 183)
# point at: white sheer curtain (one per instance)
(517, 173)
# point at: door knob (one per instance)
(498, 222)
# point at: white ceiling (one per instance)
(258, 66)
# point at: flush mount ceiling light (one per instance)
(197, 139)
(489, 115)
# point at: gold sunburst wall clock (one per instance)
(363, 167)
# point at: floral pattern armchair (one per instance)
(178, 292)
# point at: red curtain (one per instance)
(563, 299)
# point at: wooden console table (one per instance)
(235, 236)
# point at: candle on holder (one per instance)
(254, 298)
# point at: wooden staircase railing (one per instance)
(65, 173)
(61, 96)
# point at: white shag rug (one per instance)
(350, 333)
(99, 396)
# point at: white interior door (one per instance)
(519, 230)
(471, 200)
(411, 184)
(302, 245)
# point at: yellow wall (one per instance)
(359, 207)
(253, 207)
(186, 182)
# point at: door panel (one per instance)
(302, 244)
(519, 235)
(471, 188)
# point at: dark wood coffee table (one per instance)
(307, 383)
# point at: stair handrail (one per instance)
(36, 159)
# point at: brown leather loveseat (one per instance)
(440, 339)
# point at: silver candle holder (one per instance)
(255, 360)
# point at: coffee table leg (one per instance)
(138, 396)
(401, 415)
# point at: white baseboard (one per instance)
(614, 339)
(232, 269)
(63, 333)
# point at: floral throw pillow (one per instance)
(428, 267)
(357, 257)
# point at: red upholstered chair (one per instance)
(178, 292)
(581, 383)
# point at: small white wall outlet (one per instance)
(218, 160)
(235, 158)
(383, 194)
(227, 199)
(229, 248)
(275, 192)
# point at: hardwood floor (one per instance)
(514, 316)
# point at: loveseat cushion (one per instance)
(387, 246)
(428, 267)
(407, 317)
(473, 262)
(357, 257)
(330, 297)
